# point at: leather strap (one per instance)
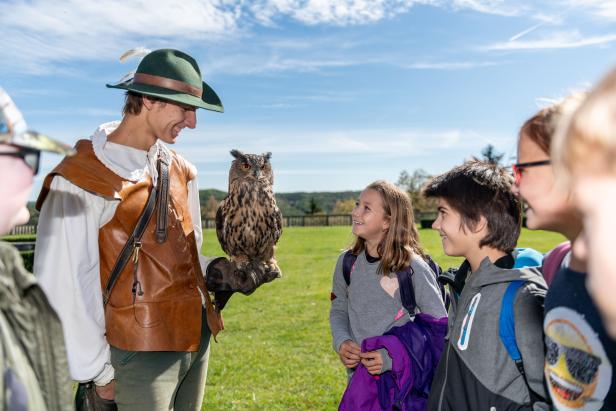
(164, 82)
(163, 200)
(131, 243)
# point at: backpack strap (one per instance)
(506, 331)
(553, 260)
(407, 292)
(348, 261)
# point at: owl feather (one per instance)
(248, 221)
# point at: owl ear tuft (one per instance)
(267, 155)
(237, 154)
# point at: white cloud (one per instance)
(262, 63)
(497, 7)
(80, 111)
(603, 9)
(556, 40)
(391, 142)
(340, 13)
(43, 37)
(450, 65)
(40, 31)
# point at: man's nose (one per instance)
(190, 118)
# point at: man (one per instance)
(33, 366)
(137, 315)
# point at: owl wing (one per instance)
(277, 225)
(220, 226)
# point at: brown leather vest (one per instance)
(167, 315)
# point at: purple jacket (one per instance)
(415, 349)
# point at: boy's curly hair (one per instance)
(479, 188)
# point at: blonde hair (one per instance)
(401, 240)
(587, 139)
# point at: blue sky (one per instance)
(342, 92)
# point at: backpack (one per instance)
(553, 260)
(407, 292)
(506, 332)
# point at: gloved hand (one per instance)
(217, 277)
(223, 278)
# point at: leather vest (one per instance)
(164, 313)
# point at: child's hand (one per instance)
(349, 353)
(373, 361)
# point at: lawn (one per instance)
(276, 353)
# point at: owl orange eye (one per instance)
(246, 166)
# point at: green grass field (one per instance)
(276, 352)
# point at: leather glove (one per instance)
(223, 278)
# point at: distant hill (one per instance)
(298, 203)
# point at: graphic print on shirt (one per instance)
(577, 370)
(467, 323)
(391, 285)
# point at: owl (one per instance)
(248, 221)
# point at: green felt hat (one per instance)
(172, 75)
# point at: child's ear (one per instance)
(480, 225)
(386, 224)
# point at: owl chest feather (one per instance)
(251, 220)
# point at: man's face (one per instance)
(455, 240)
(168, 119)
(14, 190)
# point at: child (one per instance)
(387, 242)
(579, 354)
(479, 218)
(33, 369)
(585, 157)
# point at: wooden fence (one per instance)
(425, 219)
(23, 230)
(320, 220)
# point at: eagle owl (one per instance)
(248, 221)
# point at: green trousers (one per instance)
(161, 380)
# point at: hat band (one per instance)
(164, 82)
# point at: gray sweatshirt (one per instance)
(365, 309)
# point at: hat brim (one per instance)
(209, 99)
(37, 141)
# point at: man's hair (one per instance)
(479, 188)
(401, 240)
(133, 103)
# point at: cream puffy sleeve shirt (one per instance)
(66, 260)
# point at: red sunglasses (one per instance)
(518, 168)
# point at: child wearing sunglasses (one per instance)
(33, 370)
(579, 355)
(585, 155)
